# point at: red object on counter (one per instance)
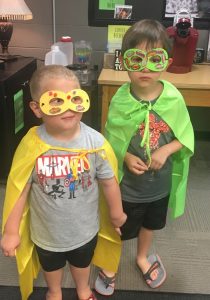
(183, 49)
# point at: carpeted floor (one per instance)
(12, 293)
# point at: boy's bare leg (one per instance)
(53, 280)
(81, 279)
(144, 242)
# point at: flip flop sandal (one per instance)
(156, 264)
(104, 285)
(92, 297)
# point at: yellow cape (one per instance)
(108, 249)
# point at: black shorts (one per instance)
(150, 215)
(80, 257)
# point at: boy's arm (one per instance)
(113, 197)
(160, 155)
(11, 238)
(173, 147)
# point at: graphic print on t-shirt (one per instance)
(155, 129)
(61, 174)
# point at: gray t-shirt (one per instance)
(64, 193)
(152, 185)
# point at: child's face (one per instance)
(145, 77)
(65, 121)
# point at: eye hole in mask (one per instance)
(55, 103)
(77, 100)
(155, 59)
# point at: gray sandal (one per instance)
(104, 285)
(156, 264)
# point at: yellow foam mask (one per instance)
(57, 102)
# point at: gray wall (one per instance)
(34, 37)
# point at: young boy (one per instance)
(150, 131)
(54, 176)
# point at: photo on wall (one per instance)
(123, 12)
(197, 8)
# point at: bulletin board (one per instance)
(103, 13)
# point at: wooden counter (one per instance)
(194, 86)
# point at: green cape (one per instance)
(125, 115)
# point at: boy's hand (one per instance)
(159, 157)
(135, 164)
(9, 244)
(118, 222)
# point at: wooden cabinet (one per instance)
(14, 79)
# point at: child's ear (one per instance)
(34, 106)
(170, 60)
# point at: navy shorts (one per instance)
(150, 215)
(80, 257)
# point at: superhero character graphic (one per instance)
(70, 182)
(57, 189)
(85, 180)
(155, 129)
(42, 180)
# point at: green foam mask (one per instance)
(135, 60)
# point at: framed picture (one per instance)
(173, 6)
(123, 12)
(199, 11)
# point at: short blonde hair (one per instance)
(42, 74)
